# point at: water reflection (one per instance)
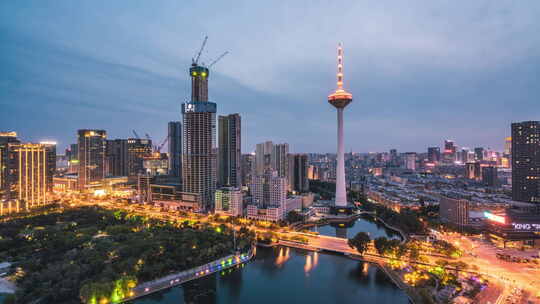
(312, 260)
(363, 224)
(283, 256)
(301, 277)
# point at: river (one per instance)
(286, 275)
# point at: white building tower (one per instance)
(340, 99)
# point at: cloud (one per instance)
(419, 72)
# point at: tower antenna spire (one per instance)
(340, 67)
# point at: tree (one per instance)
(360, 242)
(381, 244)
(294, 216)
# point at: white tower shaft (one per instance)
(341, 194)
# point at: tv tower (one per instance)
(340, 99)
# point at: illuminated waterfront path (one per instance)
(179, 278)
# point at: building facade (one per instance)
(410, 160)
(279, 161)
(175, 149)
(269, 189)
(298, 173)
(116, 157)
(526, 161)
(434, 154)
(137, 150)
(92, 149)
(34, 166)
(229, 201)
(199, 139)
(454, 211)
(247, 168)
(7, 173)
(263, 156)
(489, 176)
(230, 150)
(449, 153)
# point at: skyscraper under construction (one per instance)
(199, 139)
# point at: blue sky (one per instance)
(420, 71)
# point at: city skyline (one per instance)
(128, 78)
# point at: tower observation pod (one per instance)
(340, 99)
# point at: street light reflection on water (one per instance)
(283, 256)
(312, 260)
(365, 268)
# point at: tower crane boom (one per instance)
(218, 59)
(196, 60)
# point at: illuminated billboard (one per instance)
(495, 218)
(526, 227)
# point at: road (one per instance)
(483, 255)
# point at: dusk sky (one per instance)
(419, 73)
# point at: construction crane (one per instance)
(136, 135)
(218, 59)
(196, 60)
(158, 148)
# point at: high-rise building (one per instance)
(313, 172)
(340, 99)
(263, 156)
(229, 146)
(526, 161)
(91, 145)
(137, 150)
(489, 176)
(449, 153)
(116, 157)
(33, 165)
(454, 210)
(279, 160)
(175, 149)
(247, 168)
(479, 153)
(7, 177)
(394, 158)
(199, 139)
(229, 201)
(73, 158)
(410, 161)
(434, 154)
(508, 145)
(270, 190)
(506, 159)
(473, 171)
(298, 173)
